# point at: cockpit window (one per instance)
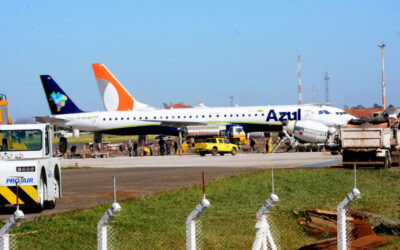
(327, 112)
(320, 112)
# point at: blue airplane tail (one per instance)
(58, 100)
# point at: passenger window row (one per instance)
(178, 117)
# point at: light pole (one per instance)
(382, 46)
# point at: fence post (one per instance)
(4, 231)
(264, 239)
(191, 219)
(103, 223)
(341, 213)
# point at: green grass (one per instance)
(158, 222)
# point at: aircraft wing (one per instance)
(49, 119)
(178, 124)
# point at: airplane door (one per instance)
(94, 121)
(308, 115)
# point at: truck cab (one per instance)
(27, 167)
(237, 135)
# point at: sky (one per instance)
(190, 51)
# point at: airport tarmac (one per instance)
(141, 176)
(240, 160)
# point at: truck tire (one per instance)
(214, 151)
(43, 190)
(202, 153)
(347, 156)
(398, 157)
(233, 151)
(387, 162)
(56, 187)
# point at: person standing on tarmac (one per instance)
(168, 146)
(267, 137)
(252, 144)
(161, 142)
(135, 147)
(130, 147)
(176, 147)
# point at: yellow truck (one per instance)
(214, 146)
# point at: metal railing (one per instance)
(192, 219)
(102, 226)
(264, 239)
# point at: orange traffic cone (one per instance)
(83, 156)
(323, 149)
(108, 155)
(180, 152)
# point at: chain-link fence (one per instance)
(305, 215)
(222, 229)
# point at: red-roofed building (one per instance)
(177, 106)
(363, 112)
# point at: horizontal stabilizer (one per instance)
(49, 119)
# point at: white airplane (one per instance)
(175, 121)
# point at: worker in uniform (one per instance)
(252, 144)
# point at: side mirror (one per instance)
(63, 145)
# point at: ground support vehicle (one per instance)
(214, 146)
(370, 141)
(234, 133)
(27, 168)
(4, 115)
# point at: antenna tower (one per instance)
(231, 98)
(327, 77)
(298, 71)
(315, 94)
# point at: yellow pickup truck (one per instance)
(215, 146)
